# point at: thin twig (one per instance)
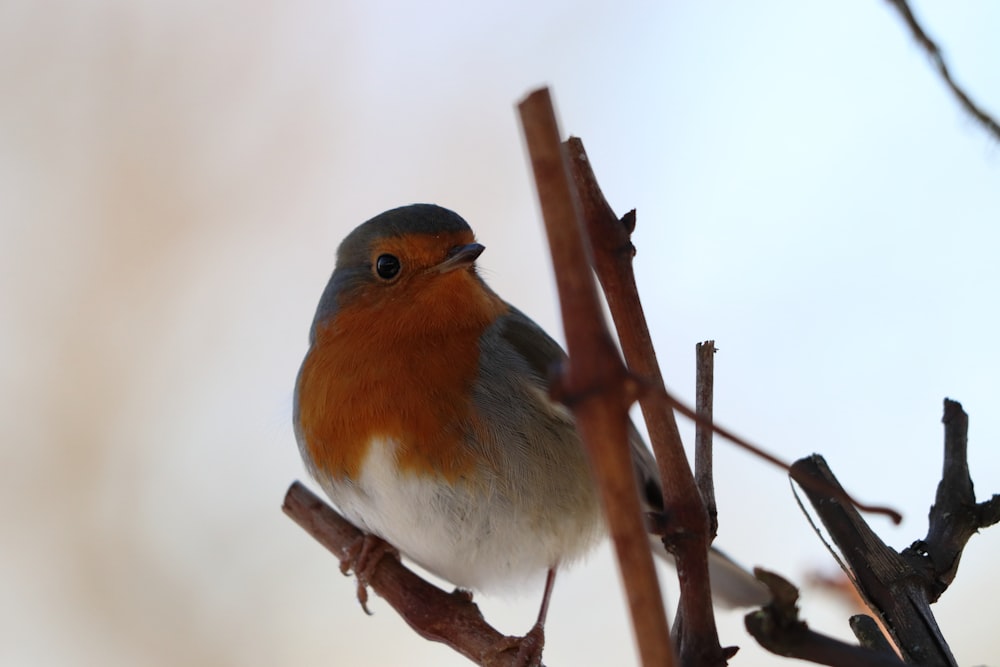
(688, 541)
(934, 51)
(704, 387)
(595, 380)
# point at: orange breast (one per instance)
(397, 365)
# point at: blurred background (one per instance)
(175, 178)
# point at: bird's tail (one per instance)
(733, 586)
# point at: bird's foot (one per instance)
(362, 557)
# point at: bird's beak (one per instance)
(461, 256)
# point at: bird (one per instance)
(423, 410)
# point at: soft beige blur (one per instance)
(149, 156)
(167, 169)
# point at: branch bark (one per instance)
(955, 516)
(704, 389)
(598, 387)
(869, 633)
(688, 540)
(777, 628)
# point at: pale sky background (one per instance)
(175, 178)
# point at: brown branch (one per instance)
(689, 539)
(595, 380)
(934, 51)
(449, 618)
(777, 628)
(704, 387)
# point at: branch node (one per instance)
(628, 222)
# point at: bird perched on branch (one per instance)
(422, 408)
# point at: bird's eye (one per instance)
(387, 266)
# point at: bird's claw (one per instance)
(362, 557)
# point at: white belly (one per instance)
(475, 537)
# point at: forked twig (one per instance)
(900, 586)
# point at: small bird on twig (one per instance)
(423, 410)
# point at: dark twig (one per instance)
(689, 537)
(883, 578)
(955, 515)
(595, 378)
(934, 51)
(870, 634)
(777, 628)
(704, 387)
(901, 586)
(449, 618)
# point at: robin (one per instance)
(422, 408)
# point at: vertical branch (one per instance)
(955, 515)
(952, 519)
(704, 387)
(595, 383)
(689, 526)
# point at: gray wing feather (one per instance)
(732, 585)
(544, 355)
